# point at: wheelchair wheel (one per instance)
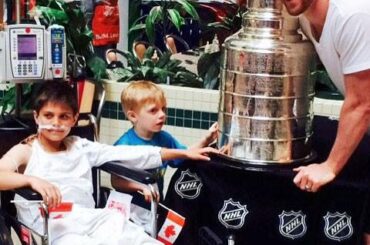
(5, 237)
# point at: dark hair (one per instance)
(57, 92)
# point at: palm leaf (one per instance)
(176, 18)
(8, 100)
(189, 8)
(137, 27)
(209, 69)
(97, 66)
(164, 59)
(154, 15)
(54, 16)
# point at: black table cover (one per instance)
(261, 205)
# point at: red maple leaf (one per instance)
(170, 231)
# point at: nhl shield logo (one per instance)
(292, 224)
(232, 214)
(338, 226)
(188, 185)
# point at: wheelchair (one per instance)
(26, 236)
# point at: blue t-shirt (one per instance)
(161, 139)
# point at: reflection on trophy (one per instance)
(265, 109)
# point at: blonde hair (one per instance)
(139, 93)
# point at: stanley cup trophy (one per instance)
(266, 95)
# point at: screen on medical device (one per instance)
(27, 47)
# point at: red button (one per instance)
(57, 71)
(28, 30)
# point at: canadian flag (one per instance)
(171, 228)
(26, 236)
(60, 211)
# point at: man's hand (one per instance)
(310, 178)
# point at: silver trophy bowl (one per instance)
(266, 94)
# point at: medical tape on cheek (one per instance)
(52, 127)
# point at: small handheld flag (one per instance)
(26, 235)
(171, 228)
(60, 211)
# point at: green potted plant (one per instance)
(159, 69)
(208, 68)
(231, 22)
(209, 62)
(78, 34)
(163, 16)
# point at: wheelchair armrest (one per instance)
(137, 175)
(28, 194)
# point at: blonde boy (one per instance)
(144, 104)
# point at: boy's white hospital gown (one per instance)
(70, 170)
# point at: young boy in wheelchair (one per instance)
(58, 167)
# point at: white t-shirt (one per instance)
(344, 45)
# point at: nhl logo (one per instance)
(292, 224)
(188, 185)
(338, 226)
(232, 214)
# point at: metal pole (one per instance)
(18, 99)
(1, 15)
(18, 87)
(153, 210)
(17, 11)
